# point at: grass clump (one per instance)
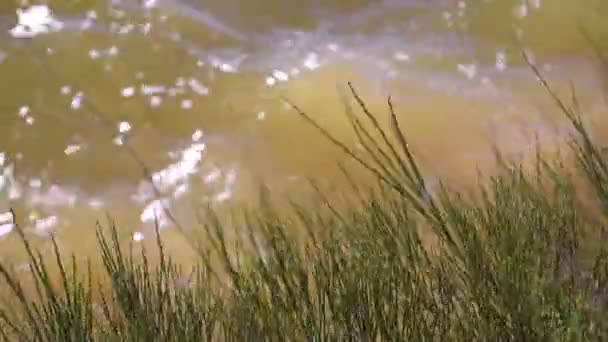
(518, 261)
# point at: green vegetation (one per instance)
(517, 260)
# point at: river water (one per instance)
(193, 90)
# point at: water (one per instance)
(194, 89)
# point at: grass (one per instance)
(517, 261)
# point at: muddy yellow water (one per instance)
(191, 93)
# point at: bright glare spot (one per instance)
(212, 176)
(280, 75)
(155, 101)
(66, 90)
(175, 91)
(77, 100)
(91, 14)
(138, 236)
(401, 56)
(95, 203)
(35, 183)
(180, 82)
(179, 171)
(225, 67)
(149, 3)
(6, 228)
(197, 135)
(270, 81)
(155, 212)
(147, 89)
(35, 20)
(124, 127)
(6, 217)
(24, 111)
(261, 115)
(312, 61)
(198, 87)
(44, 225)
(127, 92)
(223, 196)
(94, 54)
(124, 29)
(180, 190)
(469, 70)
(72, 149)
(333, 47)
(186, 104)
(112, 51)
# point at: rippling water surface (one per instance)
(192, 89)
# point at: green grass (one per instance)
(520, 260)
